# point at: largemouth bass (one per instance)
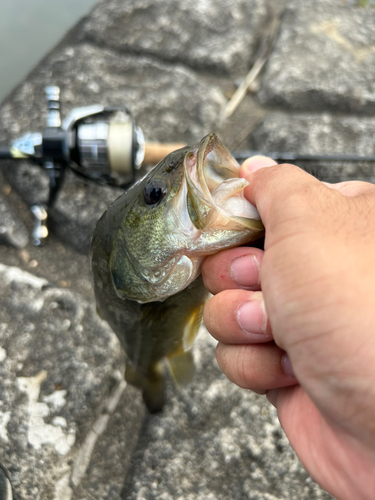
(146, 254)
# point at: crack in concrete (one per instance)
(205, 70)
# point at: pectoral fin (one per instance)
(181, 364)
(192, 326)
(182, 368)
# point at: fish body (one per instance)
(146, 256)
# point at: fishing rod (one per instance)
(105, 145)
(296, 157)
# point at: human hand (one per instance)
(307, 339)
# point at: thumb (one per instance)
(255, 163)
(280, 192)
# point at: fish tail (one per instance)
(153, 394)
(152, 386)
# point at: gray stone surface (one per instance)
(59, 363)
(319, 133)
(215, 441)
(209, 35)
(324, 59)
(175, 69)
(12, 229)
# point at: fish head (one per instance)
(189, 206)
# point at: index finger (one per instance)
(233, 268)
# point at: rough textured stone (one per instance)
(59, 364)
(213, 36)
(55, 261)
(320, 134)
(12, 229)
(169, 101)
(324, 59)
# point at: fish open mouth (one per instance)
(215, 192)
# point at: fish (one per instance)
(146, 255)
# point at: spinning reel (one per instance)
(104, 144)
(97, 142)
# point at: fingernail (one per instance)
(252, 317)
(286, 365)
(245, 271)
(256, 162)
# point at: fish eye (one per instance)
(154, 192)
